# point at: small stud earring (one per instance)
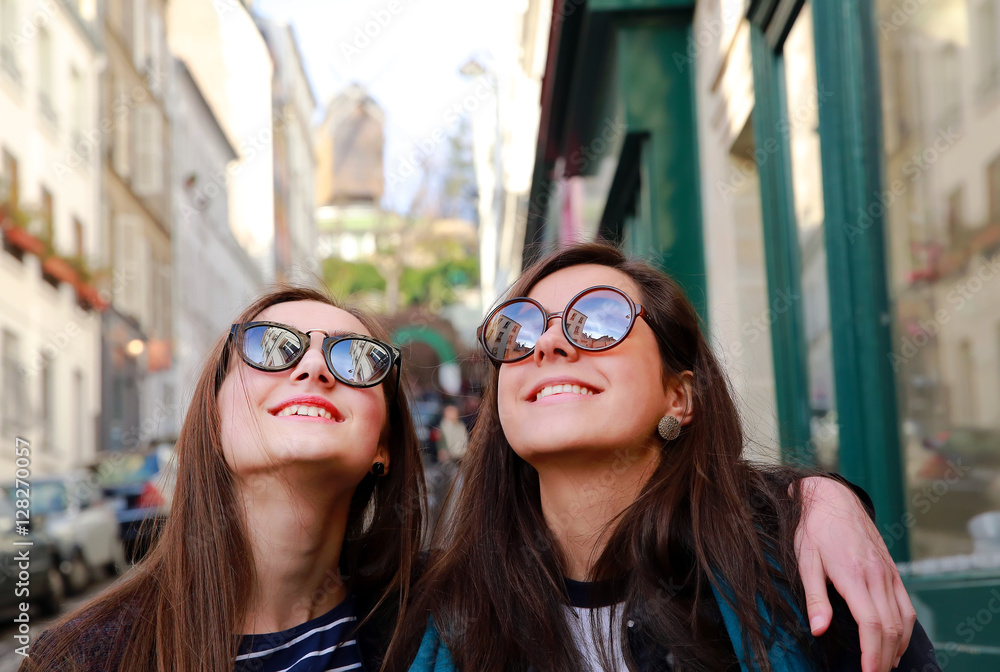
(378, 468)
(669, 427)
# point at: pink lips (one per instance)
(309, 400)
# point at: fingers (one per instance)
(892, 622)
(865, 612)
(813, 576)
(907, 613)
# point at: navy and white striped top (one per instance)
(325, 643)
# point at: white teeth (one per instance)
(311, 411)
(563, 389)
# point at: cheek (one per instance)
(239, 426)
(505, 397)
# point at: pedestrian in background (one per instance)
(454, 436)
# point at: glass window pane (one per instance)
(940, 67)
(804, 100)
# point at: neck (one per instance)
(296, 536)
(581, 498)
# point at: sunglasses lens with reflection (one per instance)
(270, 347)
(357, 361)
(514, 330)
(598, 319)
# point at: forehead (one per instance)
(555, 290)
(305, 315)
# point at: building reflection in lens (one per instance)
(501, 337)
(368, 360)
(277, 346)
(576, 322)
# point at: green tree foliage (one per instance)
(436, 285)
(347, 278)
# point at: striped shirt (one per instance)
(326, 643)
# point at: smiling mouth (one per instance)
(563, 389)
(304, 411)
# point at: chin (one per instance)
(538, 450)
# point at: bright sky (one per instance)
(410, 63)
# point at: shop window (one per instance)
(942, 237)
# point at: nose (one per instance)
(313, 364)
(553, 344)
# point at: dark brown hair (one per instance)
(179, 609)
(495, 588)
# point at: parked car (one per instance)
(141, 487)
(82, 524)
(45, 584)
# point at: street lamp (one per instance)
(135, 347)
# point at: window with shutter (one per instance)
(132, 257)
(14, 400)
(149, 150)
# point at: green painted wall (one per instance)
(656, 90)
(961, 615)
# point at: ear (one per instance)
(680, 397)
(382, 455)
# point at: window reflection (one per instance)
(277, 346)
(501, 337)
(595, 337)
(368, 360)
(941, 109)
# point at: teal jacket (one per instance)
(784, 654)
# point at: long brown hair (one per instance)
(179, 609)
(705, 517)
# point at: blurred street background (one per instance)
(821, 176)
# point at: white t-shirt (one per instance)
(591, 608)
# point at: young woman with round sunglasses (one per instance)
(608, 520)
(297, 465)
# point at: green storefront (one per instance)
(872, 142)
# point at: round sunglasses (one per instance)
(596, 319)
(357, 361)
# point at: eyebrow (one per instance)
(339, 332)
